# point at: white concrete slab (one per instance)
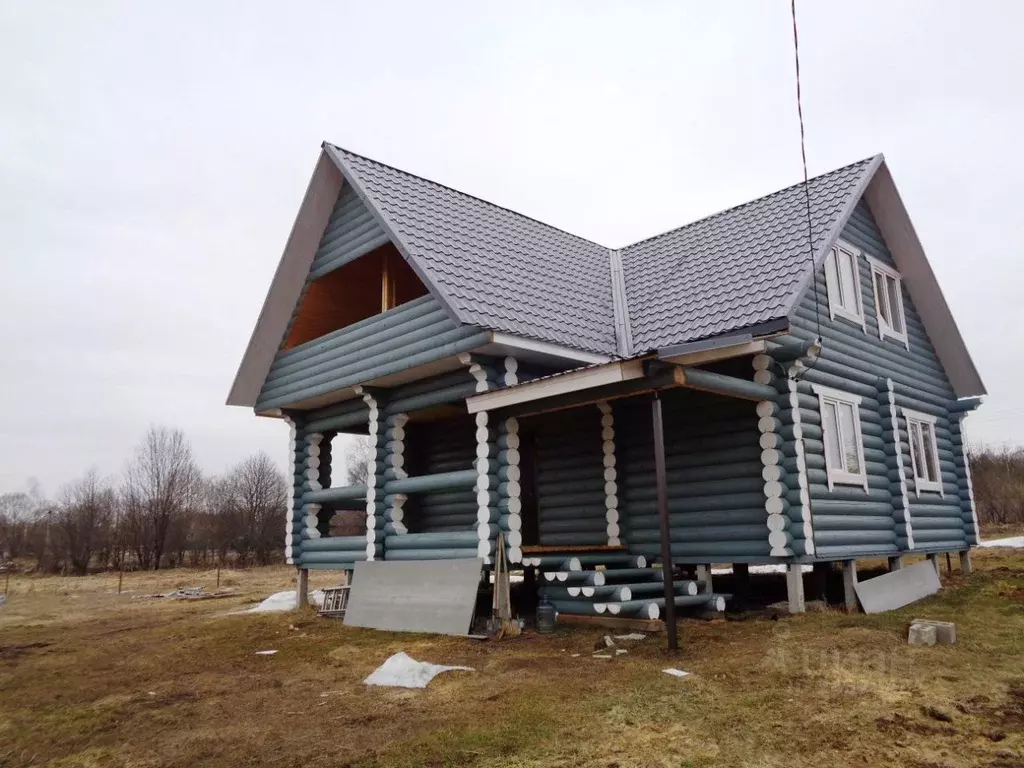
(435, 596)
(898, 588)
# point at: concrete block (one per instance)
(945, 631)
(922, 634)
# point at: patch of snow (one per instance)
(266, 653)
(403, 671)
(285, 601)
(631, 636)
(675, 672)
(1016, 542)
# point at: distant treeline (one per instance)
(998, 477)
(161, 512)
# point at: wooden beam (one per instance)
(666, 379)
(552, 386)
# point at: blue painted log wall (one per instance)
(570, 483)
(351, 232)
(716, 496)
(413, 334)
(444, 446)
(850, 521)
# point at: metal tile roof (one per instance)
(496, 268)
(737, 268)
(505, 271)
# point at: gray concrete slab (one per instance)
(435, 596)
(898, 588)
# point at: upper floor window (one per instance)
(889, 302)
(842, 278)
(844, 446)
(924, 451)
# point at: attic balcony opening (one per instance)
(370, 285)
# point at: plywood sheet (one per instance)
(435, 596)
(894, 590)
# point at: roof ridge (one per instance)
(733, 208)
(469, 195)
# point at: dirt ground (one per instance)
(92, 678)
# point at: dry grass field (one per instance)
(91, 678)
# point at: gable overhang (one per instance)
(879, 191)
(894, 223)
(314, 213)
(329, 176)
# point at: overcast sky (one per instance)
(153, 157)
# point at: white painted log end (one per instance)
(481, 419)
(598, 579)
(562, 575)
(587, 591)
(573, 564)
(600, 607)
(610, 474)
(574, 591)
(653, 611)
(692, 588)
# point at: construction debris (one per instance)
(921, 634)
(266, 653)
(632, 636)
(945, 631)
(675, 672)
(402, 671)
(192, 593)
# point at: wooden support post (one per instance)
(120, 579)
(661, 481)
(795, 588)
(302, 588)
(704, 579)
(819, 581)
(949, 563)
(934, 560)
(849, 584)
(965, 561)
(895, 563)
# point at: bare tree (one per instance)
(357, 460)
(161, 485)
(17, 512)
(82, 521)
(258, 490)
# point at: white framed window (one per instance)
(842, 279)
(924, 452)
(844, 445)
(888, 286)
